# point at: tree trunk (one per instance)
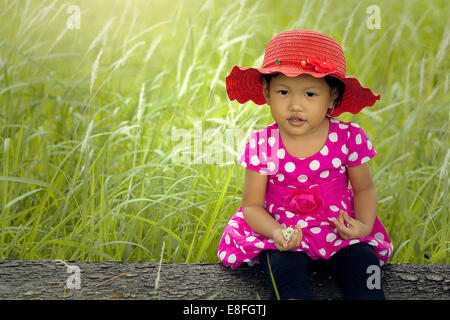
(56, 279)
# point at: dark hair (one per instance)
(333, 83)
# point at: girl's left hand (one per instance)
(356, 229)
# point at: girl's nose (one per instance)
(295, 104)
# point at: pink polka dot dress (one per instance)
(309, 192)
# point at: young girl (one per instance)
(298, 171)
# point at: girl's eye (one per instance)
(282, 92)
(310, 94)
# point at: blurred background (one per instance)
(94, 96)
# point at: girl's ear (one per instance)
(333, 96)
(265, 90)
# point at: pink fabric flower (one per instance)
(305, 202)
(321, 64)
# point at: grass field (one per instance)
(89, 108)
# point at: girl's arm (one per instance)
(253, 195)
(365, 204)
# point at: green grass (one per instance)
(87, 116)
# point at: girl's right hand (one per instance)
(282, 244)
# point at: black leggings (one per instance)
(349, 266)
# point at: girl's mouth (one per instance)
(296, 121)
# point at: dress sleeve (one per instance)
(254, 156)
(360, 148)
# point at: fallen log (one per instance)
(56, 279)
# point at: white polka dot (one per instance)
(379, 236)
(344, 205)
(227, 239)
(331, 237)
(344, 149)
(271, 166)
(338, 242)
(302, 223)
(252, 143)
(353, 241)
(353, 156)
(280, 177)
(383, 253)
(373, 243)
(277, 217)
(322, 251)
(281, 153)
(365, 159)
(342, 170)
(324, 151)
(369, 145)
(255, 160)
(231, 258)
(222, 255)
(314, 165)
(233, 223)
(315, 230)
(358, 139)
(259, 245)
(271, 141)
(324, 174)
(271, 207)
(354, 124)
(336, 162)
(261, 141)
(343, 126)
(302, 178)
(333, 137)
(250, 239)
(289, 214)
(289, 167)
(334, 208)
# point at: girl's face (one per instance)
(299, 105)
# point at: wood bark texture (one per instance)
(53, 279)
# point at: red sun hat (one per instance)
(294, 53)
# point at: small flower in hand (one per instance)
(288, 233)
(282, 243)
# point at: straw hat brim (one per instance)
(244, 84)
